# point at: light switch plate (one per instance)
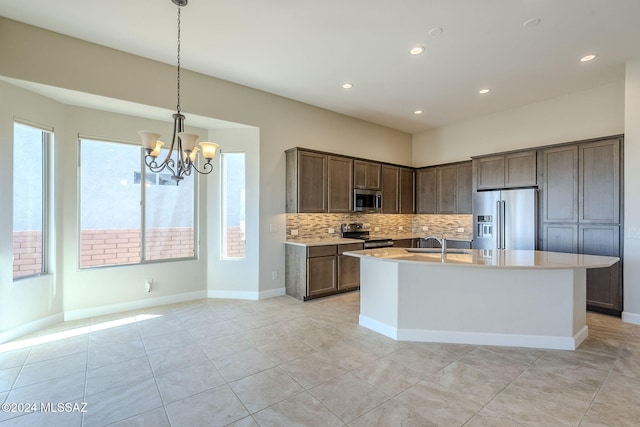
(294, 232)
(460, 229)
(376, 229)
(331, 231)
(425, 228)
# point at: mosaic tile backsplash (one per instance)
(311, 226)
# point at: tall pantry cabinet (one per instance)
(580, 211)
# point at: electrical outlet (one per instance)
(147, 284)
(425, 228)
(331, 231)
(376, 229)
(460, 229)
(400, 228)
(633, 233)
(273, 228)
(294, 232)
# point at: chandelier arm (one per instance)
(157, 168)
(207, 168)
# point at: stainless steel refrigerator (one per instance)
(505, 219)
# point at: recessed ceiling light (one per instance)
(347, 86)
(418, 112)
(484, 91)
(435, 31)
(589, 57)
(531, 22)
(416, 50)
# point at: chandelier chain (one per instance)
(178, 76)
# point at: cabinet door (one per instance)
(366, 175)
(348, 272)
(312, 182)
(447, 188)
(559, 184)
(340, 171)
(390, 187)
(321, 275)
(603, 284)
(427, 191)
(407, 191)
(403, 243)
(463, 193)
(489, 172)
(600, 182)
(560, 238)
(520, 169)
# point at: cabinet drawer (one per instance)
(316, 251)
(350, 247)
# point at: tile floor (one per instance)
(279, 362)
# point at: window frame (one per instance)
(223, 215)
(143, 206)
(47, 133)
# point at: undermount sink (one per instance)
(438, 251)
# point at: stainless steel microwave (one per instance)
(367, 200)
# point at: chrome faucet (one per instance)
(442, 241)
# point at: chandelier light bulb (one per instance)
(156, 149)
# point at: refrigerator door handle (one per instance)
(503, 218)
(498, 225)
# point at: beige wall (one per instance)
(592, 113)
(36, 55)
(606, 110)
(631, 193)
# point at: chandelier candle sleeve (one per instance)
(149, 139)
(208, 149)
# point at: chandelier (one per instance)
(183, 144)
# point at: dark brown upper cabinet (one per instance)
(306, 180)
(390, 189)
(366, 175)
(559, 184)
(427, 190)
(340, 176)
(599, 198)
(509, 170)
(407, 191)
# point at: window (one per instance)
(30, 146)
(233, 205)
(112, 229)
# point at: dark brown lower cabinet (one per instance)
(321, 275)
(316, 271)
(403, 243)
(604, 285)
(348, 267)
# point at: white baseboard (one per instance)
(631, 318)
(30, 327)
(247, 295)
(84, 313)
(476, 338)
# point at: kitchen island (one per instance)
(481, 296)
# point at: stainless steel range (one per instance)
(358, 230)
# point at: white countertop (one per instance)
(488, 258)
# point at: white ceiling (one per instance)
(305, 50)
